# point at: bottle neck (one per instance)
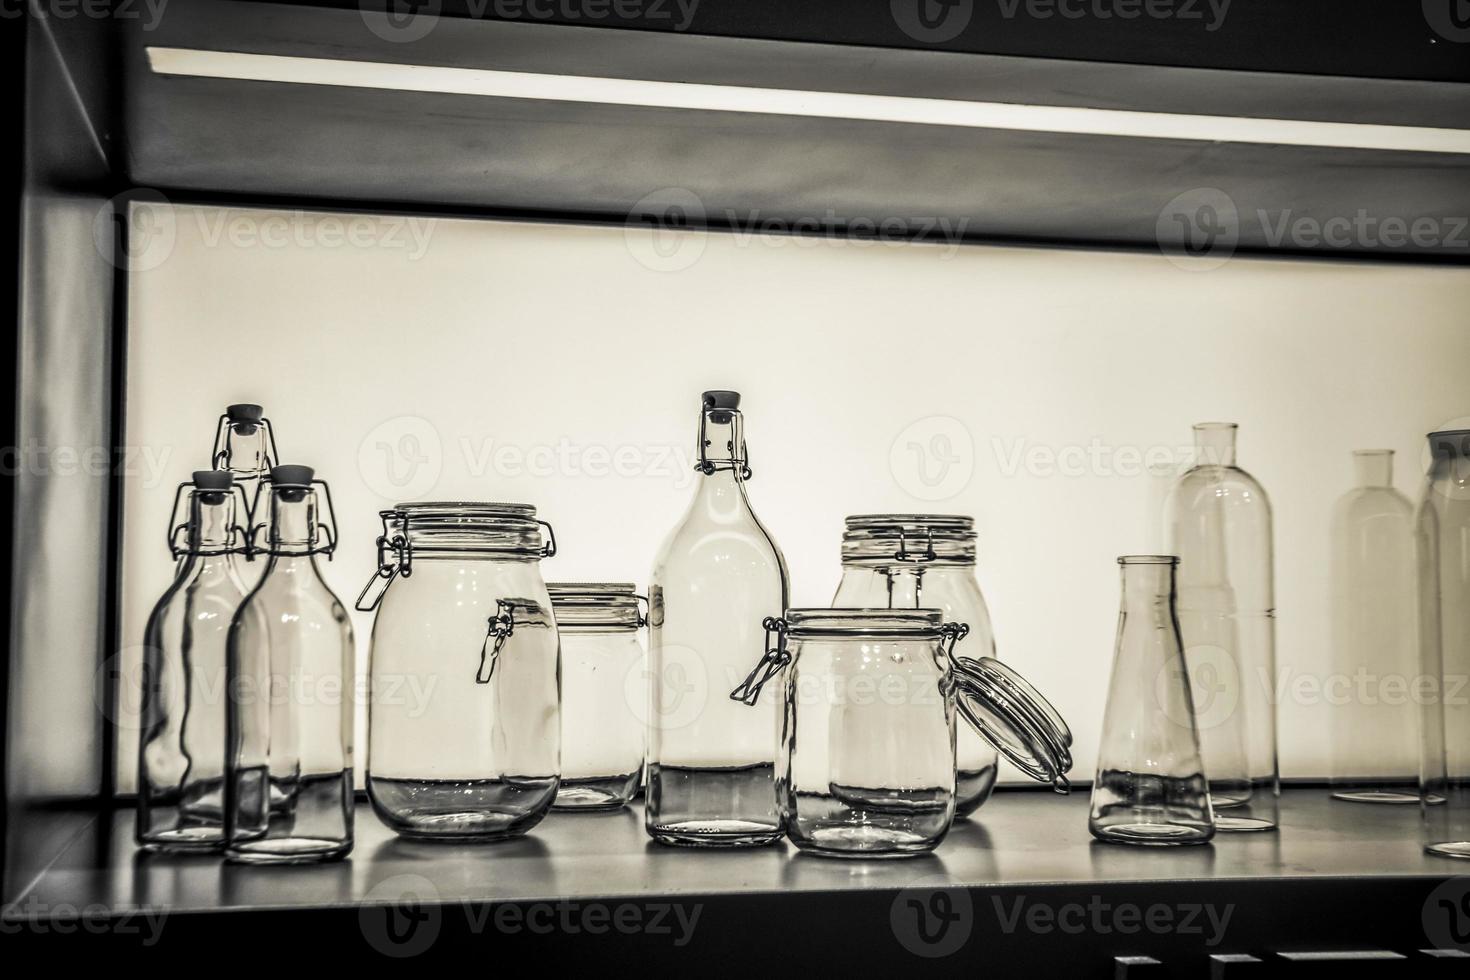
(211, 522)
(293, 521)
(1373, 468)
(722, 442)
(1214, 444)
(1147, 584)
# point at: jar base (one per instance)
(595, 794)
(184, 840)
(846, 841)
(716, 833)
(972, 788)
(1153, 834)
(287, 850)
(1242, 825)
(1376, 796)
(461, 811)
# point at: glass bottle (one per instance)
(711, 759)
(908, 561)
(1375, 737)
(871, 698)
(1150, 786)
(181, 758)
(289, 788)
(464, 723)
(1218, 523)
(244, 444)
(602, 734)
(1442, 547)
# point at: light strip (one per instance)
(794, 102)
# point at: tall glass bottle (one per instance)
(1218, 522)
(1442, 547)
(289, 791)
(181, 758)
(1375, 737)
(913, 561)
(1150, 786)
(711, 759)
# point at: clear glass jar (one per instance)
(1218, 524)
(289, 788)
(908, 561)
(601, 659)
(1150, 787)
(1442, 548)
(867, 764)
(464, 717)
(181, 757)
(711, 759)
(1375, 733)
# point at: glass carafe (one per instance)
(1375, 736)
(1218, 523)
(601, 732)
(870, 700)
(181, 758)
(1150, 786)
(1442, 547)
(909, 561)
(289, 791)
(464, 735)
(711, 759)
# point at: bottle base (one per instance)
(1376, 796)
(716, 833)
(287, 850)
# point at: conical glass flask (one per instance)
(1150, 786)
(1218, 523)
(289, 788)
(1442, 546)
(711, 759)
(181, 757)
(1375, 737)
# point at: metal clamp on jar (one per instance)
(464, 720)
(867, 766)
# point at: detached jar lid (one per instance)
(596, 605)
(1014, 717)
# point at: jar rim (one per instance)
(449, 528)
(910, 538)
(854, 622)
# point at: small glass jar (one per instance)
(908, 561)
(601, 663)
(868, 730)
(464, 720)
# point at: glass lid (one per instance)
(1014, 717)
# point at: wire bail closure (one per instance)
(904, 555)
(324, 533)
(500, 628)
(770, 664)
(708, 467)
(240, 537)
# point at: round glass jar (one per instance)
(464, 720)
(908, 561)
(868, 731)
(601, 665)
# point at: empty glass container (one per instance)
(1150, 786)
(181, 760)
(464, 721)
(712, 760)
(909, 561)
(601, 678)
(1375, 725)
(1442, 546)
(1218, 523)
(291, 667)
(870, 698)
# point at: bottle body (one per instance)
(289, 787)
(181, 758)
(1375, 738)
(1218, 523)
(1150, 787)
(1442, 548)
(711, 759)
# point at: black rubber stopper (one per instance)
(244, 412)
(722, 399)
(213, 479)
(292, 476)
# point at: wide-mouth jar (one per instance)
(464, 723)
(602, 690)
